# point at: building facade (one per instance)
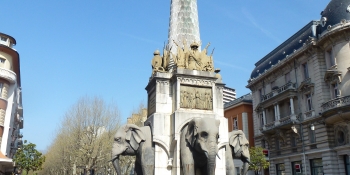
(11, 110)
(229, 94)
(301, 98)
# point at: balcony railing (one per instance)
(269, 125)
(281, 122)
(8, 75)
(285, 120)
(309, 114)
(280, 90)
(335, 103)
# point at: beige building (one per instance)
(11, 111)
(301, 98)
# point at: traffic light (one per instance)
(297, 168)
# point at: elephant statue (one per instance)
(199, 146)
(133, 140)
(237, 148)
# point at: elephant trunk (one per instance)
(116, 165)
(212, 159)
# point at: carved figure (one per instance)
(238, 148)
(157, 62)
(180, 58)
(194, 58)
(133, 140)
(199, 146)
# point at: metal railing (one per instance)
(275, 92)
(335, 103)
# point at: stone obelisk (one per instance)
(183, 23)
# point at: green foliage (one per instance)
(257, 159)
(28, 158)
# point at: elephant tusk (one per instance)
(113, 159)
(218, 156)
(206, 154)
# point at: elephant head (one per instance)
(126, 142)
(202, 135)
(240, 148)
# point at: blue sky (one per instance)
(70, 49)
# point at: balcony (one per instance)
(276, 92)
(284, 122)
(332, 108)
(8, 75)
(309, 114)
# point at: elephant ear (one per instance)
(234, 140)
(191, 134)
(134, 136)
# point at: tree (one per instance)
(84, 139)
(257, 160)
(28, 158)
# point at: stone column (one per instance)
(264, 117)
(291, 105)
(275, 109)
(278, 112)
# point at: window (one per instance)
(277, 143)
(330, 58)
(1, 85)
(316, 166)
(2, 60)
(305, 71)
(260, 94)
(297, 168)
(238, 171)
(3, 38)
(273, 84)
(308, 102)
(261, 119)
(335, 90)
(312, 136)
(287, 77)
(289, 108)
(235, 123)
(347, 164)
(280, 169)
(293, 140)
(263, 143)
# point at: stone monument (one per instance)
(185, 132)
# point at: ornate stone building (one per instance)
(11, 111)
(301, 97)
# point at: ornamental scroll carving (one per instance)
(195, 81)
(196, 97)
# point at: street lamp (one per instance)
(312, 127)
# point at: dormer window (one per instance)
(3, 38)
(2, 60)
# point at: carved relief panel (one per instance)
(193, 97)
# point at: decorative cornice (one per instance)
(196, 81)
(8, 75)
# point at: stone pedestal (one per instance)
(169, 112)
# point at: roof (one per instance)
(335, 11)
(281, 52)
(245, 98)
(8, 36)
